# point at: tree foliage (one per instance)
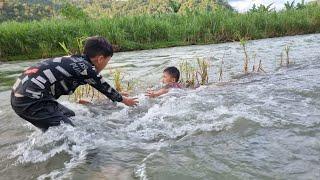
(22, 10)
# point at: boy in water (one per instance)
(35, 92)
(170, 78)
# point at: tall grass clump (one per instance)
(194, 74)
(243, 44)
(121, 85)
(30, 40)
(287, 50)
(255, 68)
(220, 71)
(86, 94)
(284, 56)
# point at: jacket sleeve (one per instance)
(89, 75)
(99, 83)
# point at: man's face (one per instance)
(102, 62)
(167, 79)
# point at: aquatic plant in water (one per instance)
(187, 74)
(85, 94)
(221, 70)
(203, 67)
(243, 43)
(285, 51)
(260, 68)
(194, 75)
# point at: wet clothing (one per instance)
(41, 113)
(173, 85)
(35, 92)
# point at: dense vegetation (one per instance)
(179, 26)
(24, 10)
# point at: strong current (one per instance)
(254, 126)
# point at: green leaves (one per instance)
(174, 5)
(72, 12)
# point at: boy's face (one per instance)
(101, 62)
(167, 78)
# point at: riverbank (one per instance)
(40, 39)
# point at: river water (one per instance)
(255, 126)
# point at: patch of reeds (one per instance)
(254, 63)
(287, 50)
(120, 83)
(86, 94)
(243, 44)
(260, 68)
(117, 77)
(220, 70)
(202, 74)
(194, 74)
(188, 76)
(255, 68)
(284, 56)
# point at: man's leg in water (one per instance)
(66, 111)
(62, 114)
(46, 113)
(54, 114)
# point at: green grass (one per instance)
(40, 39)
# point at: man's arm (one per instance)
(87, 73)
(98, 82)
(94, 79)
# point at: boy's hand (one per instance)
(151, 94)
(129, 101)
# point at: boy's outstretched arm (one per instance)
(99, 83)
(153, 94)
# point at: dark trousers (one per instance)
(42, 113)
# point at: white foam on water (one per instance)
(74, 141)
(175, 115)
(42, 146)
(141, 172)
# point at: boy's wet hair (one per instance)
(96, 46)
(173, 72)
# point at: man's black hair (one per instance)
(173, 72)
(96, 46)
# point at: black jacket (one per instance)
(61, 76)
